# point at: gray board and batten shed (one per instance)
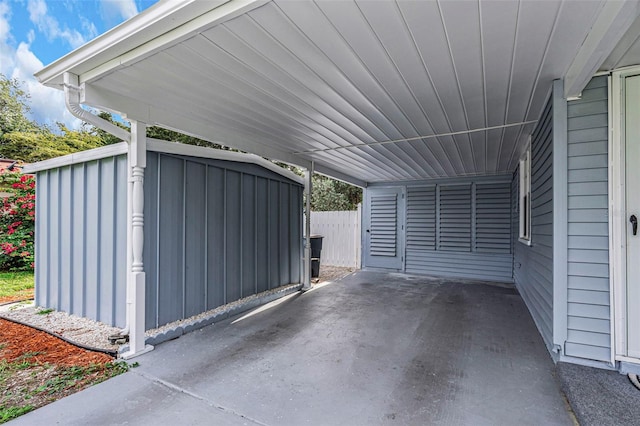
(219, 226)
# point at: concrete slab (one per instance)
(374, 348)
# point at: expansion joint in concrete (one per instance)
(177, 388)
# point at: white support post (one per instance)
(136, 276)
(307, 228)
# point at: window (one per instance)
(525, 196)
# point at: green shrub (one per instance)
(17, 222)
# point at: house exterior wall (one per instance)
(81, 213)
(588, 322)
(533, 265)
(458, 228)
(216, 231)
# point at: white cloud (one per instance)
(114, 10)
(47, 104)
(50, 26)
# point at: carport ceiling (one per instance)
(370, 91)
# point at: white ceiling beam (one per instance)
(610, 26)
(421, 138)
(630, 38)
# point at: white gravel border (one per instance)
(88, 332)
(83, 331)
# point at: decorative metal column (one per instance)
(136, 275)
(307, 228)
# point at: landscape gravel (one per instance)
(95, 334)
(80, 330)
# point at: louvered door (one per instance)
(383, 233)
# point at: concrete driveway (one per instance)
(374, 348)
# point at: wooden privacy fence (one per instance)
(341, 230)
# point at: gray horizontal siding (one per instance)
(459, 230)
(533, 265)
(588, 334)
(480, 266)
(215, 232)
(81, 239)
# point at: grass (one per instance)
(15, 284)
(29, 385)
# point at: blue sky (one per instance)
(34, 33)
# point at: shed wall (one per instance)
(588, 334)
(81, 239)
(215, 232)
(533, 265)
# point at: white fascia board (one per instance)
(163, 24)
(457, 180)
(334, 174)
(177, 148)
(78, 157)
(609, 28)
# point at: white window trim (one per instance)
(524, 197)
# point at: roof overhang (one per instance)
(367, 91)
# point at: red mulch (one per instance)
(17, 296)
(17, 340)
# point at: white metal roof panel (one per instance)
(379, 91)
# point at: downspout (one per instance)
(135, 275)
(72, 91)
(72, 100)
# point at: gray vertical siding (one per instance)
(81, 239)
(533, 265)
(215, 232)
(588, 334)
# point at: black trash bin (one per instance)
(316, 250)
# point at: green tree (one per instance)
(14, 107)
(37, 146)
(154, 132)
(330, 194)
(107, 138)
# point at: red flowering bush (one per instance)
(17, 221)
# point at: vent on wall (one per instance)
(455, 218)
(383, 225)
(421, 218)
(493, 218)
(462, 218)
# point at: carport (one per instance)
(373, 348)
(456, 117)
